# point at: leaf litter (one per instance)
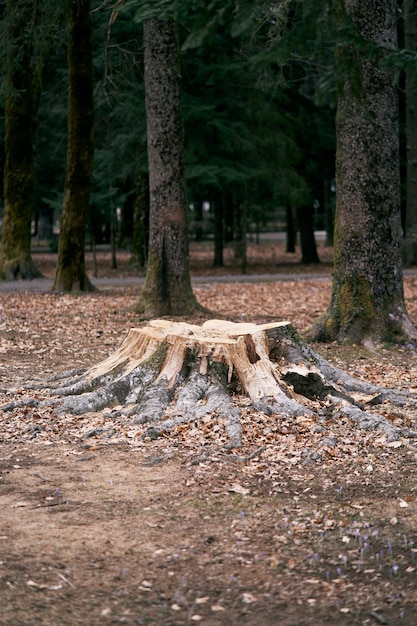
(312, 517)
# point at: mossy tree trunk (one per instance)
(71, 272)
(167, 289)
(367, 300)
(22, 97)
(410, 33)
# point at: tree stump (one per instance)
(168, 373)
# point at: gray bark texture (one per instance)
(410, 35)
(71, 273)
(167, 374)
(23, 88)
(167, 289)
(367, 302)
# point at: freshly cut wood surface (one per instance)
(169, 373)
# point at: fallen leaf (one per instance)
(239, 489)
(248, 598)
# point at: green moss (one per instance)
(156, 360)
(356, 299)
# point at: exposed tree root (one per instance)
(169, 373)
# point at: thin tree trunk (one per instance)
(218, 231)
(71, 272)
(140, 221)
(240, 229)
(113, 237)
(410, 33)
(243, 236)
(329, 213)
(20, 112)
(167, 289)
(307, 240)
(367, 298)
(290, 229)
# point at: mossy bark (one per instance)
(71, 272)
(410, 33)
(22, 85)
(367, 299)
(167, 289)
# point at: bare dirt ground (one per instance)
(99, 527)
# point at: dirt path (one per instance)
(144, 535)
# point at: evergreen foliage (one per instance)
(259, 89)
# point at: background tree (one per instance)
(410, 41)
(367, 299)
(242, 146)
(120, 160)
(167, 289)
(70, 272)
(27, 32)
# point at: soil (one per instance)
(99, 527)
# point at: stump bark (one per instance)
(168, 373)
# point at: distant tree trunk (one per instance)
(329, 212)
(244, 231)
(198, 229)
(240, 229)
(23, 86)
(113, 237)
(290, 229)
(167, 289)
(410, 33)
(71, 273)
(306, 229)
(218, 209)
(367, 299)
(140, 221)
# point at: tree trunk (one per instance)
(22, 97)
(167, 289)
(240, 212)
(306, 228)
(410, 33)
(140, 221)
(167, 373)
(290, 232)
(71, 273)
(367, 299)
(218, 211)
(113, 236)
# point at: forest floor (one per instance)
(100, 527)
